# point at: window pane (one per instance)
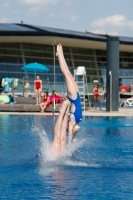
(27, 53)
(11, 59)
(37, 47)
(37, 54)
(11, 52)
(10, 45)
(3, 67)
(26, 46)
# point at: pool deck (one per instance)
(92, 112)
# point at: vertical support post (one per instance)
(53, 106)
(113, 67)
(54, 63)
(47, 84)
(35, 74)
(23, 58)
(84, 88)
(13, 87)
(23, 87)
(110, 90)
(91, 91)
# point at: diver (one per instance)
(73, 95)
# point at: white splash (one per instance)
(64, 158)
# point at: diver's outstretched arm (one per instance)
(56, 145)
(64, 127)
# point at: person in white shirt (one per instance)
(27, 86)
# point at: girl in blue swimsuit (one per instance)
(78, 109)
(73, 94)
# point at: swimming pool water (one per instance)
(99, 166)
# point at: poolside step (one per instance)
(25, 100)
(26, 108)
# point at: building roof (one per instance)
(7, 29)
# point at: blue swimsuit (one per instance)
(78, 109)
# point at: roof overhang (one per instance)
(51, 40)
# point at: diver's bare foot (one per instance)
(42, 111)
(59, 50)
(75, 128)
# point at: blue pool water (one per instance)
(98, 167)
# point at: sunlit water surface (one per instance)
(98, 166)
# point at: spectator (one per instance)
(27, 86)
(43, 105)
(96, 95)
(51, 99)
(38, 89)
(56, 97)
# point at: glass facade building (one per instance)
(14, 55)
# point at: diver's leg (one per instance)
(66, 66)
(63, 128)
(56, 145)
(70, 83)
